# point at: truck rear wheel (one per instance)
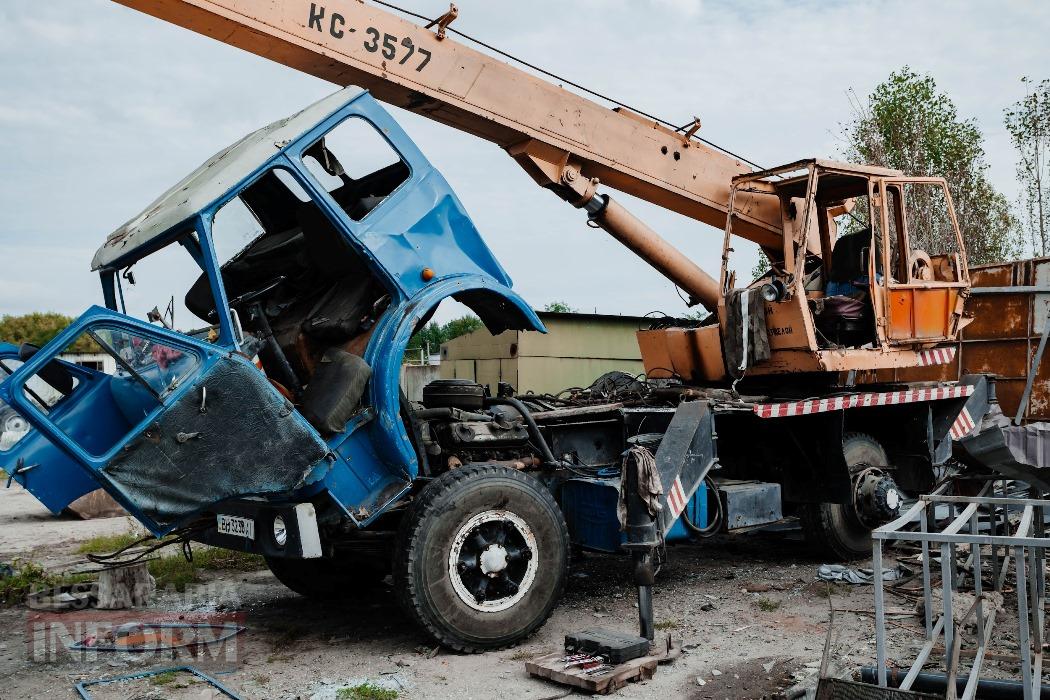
(481, 558)
(837, 528)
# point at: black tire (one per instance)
(834, 528)
(441, 525)
(327, 578)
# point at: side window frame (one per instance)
(298, 159)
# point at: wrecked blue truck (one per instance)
(318, 245)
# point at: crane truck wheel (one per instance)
(327, 578)
(481, 557)
(837, 529)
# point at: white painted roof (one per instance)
(213, 179)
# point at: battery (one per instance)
(616, 647)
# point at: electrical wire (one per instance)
(182, 537)
(560, 79)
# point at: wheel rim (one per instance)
(493, 560)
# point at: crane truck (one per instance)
(320, 243)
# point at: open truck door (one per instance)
(181, 424)
(28, 457)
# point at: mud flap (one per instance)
(685, 456)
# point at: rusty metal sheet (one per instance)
(1003, 358)
(998, 316)
(993, 275)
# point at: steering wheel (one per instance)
(251, 296)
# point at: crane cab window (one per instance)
(356, 166)
(933, 246)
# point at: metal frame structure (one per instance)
(960, 543)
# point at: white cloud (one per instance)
(98, 121)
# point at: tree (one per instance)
(560, 307)
(1028, 122)
(435, 334)
(40, 329)
(908, 124)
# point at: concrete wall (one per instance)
(415, 377)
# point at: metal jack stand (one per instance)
(966, 550)
(642, 541)
(600, 661)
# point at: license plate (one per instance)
(238, 527)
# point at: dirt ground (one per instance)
(738, 644)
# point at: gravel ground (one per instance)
(748, 610)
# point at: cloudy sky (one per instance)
(102, 108)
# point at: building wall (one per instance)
(100, 361)
(577, 349)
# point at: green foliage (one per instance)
(166, 678)
(908, 124)
(761, 267)
(560, 307)
(1028, 122)
(176, 572)
(39, 329)
(435, 334)
(366, 691)
(767, 604)
(27, 577)
(105, 544)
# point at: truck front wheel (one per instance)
(841, 530)
(481, 557)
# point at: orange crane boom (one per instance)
(563, 140)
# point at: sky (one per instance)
(102, 108)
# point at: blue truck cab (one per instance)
(318, 246)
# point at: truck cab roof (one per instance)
(212, 180)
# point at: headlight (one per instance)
(280, 532)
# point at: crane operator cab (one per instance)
(870, 273)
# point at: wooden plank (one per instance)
(553, 668)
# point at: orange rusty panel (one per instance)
(787, 327)
(709, 353)
(920, 313)
(656, 356)
(898, 313)
(694, 354)
(1004, 358)
(998, 316)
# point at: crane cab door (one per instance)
(179, 425)
(925, 278)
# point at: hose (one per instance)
(714, 526)
(530, 425)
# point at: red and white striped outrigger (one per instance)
(863, 400)
(964, 424)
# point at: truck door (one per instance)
(925, 261)
(181, 425)
(29, 458)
